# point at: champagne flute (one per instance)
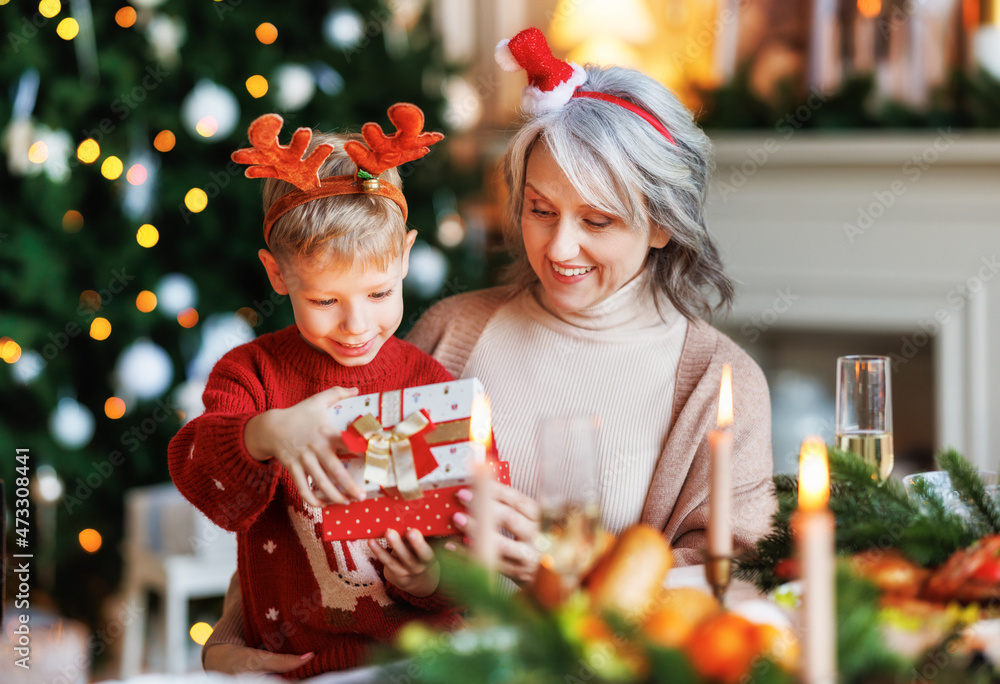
(864, 410)
(568, 495)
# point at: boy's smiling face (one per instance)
(349, 313)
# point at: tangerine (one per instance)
(668, 627)
(724, 647)
(780, 645)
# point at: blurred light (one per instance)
(100, 328)
(248, 315)
(88, 151)
(196, 200)
(48, 486)
(114, 408)
(207, 126)
(176, 292)
(296, 86)
(147, 235)
(28, 367)
(71, 424)
(870, 9)
(90, 540)
(428, 270)
(200, 631)
(451, 230)
(343, 28)
(136, 174)
(72, 221)
(164, 141)
(68, 28)
(125, 17)
(145, 301)
(90, 300)
(266, 33)
(38, 152)
(143, 370)
(257, 85)
(188, 318)
(209, 99)
(112, 168)
(463, 103)
(10, 350)
(49, 8)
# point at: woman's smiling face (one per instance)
(580, 254)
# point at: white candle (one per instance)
(483, 506)
(813, 527)
(720, 535)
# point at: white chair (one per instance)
(174, 550)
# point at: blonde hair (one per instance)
(621, 165)
(342, 229)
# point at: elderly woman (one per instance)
(613, 264)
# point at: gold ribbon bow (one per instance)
(392, 448)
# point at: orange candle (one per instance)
(813, 526)
(720, 535)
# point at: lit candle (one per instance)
(864, 35)
(813, 527)
(484, 542)
(720, 536)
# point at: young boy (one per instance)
(261, 457)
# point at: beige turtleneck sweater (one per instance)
(620, 359)
(616, 361)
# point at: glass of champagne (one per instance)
(864, 410)
(568, 495)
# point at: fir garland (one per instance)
(873, 514)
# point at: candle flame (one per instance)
(480, 422)
(726, 398)
(870, 9)
(814, 475)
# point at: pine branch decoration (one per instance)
(966, 481)
(874, 514)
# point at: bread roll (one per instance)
(629, 577)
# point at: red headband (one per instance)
(553, 82)
(269, 159)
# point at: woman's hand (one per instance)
(233, 659)
(411, 565)
(517, 514)
(304, 443)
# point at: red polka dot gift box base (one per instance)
(421, 435)
(431, 514)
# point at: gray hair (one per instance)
(620, 164)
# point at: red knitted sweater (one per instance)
(299, 594)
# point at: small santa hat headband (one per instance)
(553, 82)
(269, 159)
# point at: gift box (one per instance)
(411, 451)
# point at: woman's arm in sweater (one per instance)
(754, 500)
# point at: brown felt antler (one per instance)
(269, 159)
(383, 152)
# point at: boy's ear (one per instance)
(273, 271)
(411, 237)
(659, 238)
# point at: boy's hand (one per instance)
(411, 566)
(304, 443)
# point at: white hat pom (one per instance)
(505, 58)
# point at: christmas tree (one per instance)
(128, 249)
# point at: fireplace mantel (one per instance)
(883, 232)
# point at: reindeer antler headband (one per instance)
(553, 82)
(269, 159)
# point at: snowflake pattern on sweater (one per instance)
(299, 593)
